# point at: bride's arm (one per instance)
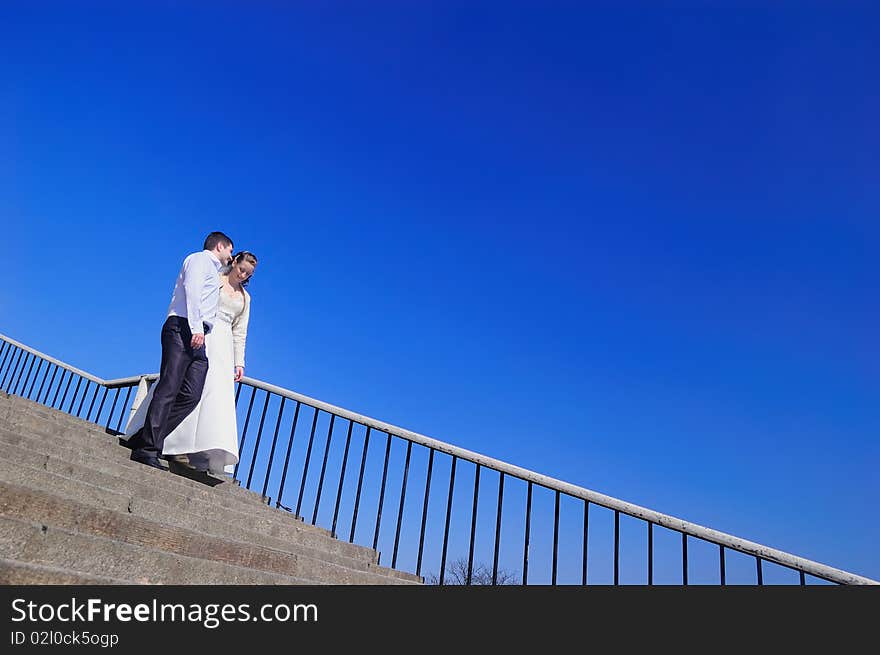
(239, 332)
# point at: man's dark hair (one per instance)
(214, 238)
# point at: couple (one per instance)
(188, 416)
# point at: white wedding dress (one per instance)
(209, 434)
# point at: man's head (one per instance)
(221, 245)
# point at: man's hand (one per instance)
(239, 373)
(197, 341)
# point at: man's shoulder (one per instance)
(198, 255)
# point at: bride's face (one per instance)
(241, 271)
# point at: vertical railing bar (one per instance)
(759, 562)
(357, 497)
(555, 538)
(12, 369)
(19, 368)
(470, 570)
(49, 388)
(341, 478)
(113, 408)
(616, 547)
(527, 534)
(4, 351)
(323, 468)
(3, 368)
(287, 456)
(257, 442)
(684, 558)
(83, 399)
(382, 492)
(803, 579)
(425, 510)
(75, 391)
(5, 348)
(305, 474)
(721, 563)
(101, 406)
(58, 390)
(448, 514)
(32, 359)
(34, 381)
(28, 376)
(400, 507)
(43, 383)
(247, 420)
(94, 397)
(66, 389)
(122, 409)
(272, 450)
(650, 553)
(237, 393)
(15, 381)
(498, 528)
(586, 541)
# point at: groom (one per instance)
(184, 363)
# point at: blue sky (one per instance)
(625, 246)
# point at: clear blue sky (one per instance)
(629, 247)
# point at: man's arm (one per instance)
(195, 272)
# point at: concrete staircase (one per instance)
(75, 510)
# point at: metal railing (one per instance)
(459, 517)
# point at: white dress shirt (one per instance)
(197, 290)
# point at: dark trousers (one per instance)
(178, 390)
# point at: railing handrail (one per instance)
(52, 360)
(671, 522)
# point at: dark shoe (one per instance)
(179, 464)
(145, 458)
(191, 473)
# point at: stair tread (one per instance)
(13, 572)
(36, 543)
(87, 488)
(18, 503)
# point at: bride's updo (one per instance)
(240, 256)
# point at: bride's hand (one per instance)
(239, 372)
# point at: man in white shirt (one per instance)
(184, 363)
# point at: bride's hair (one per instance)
(241, 255)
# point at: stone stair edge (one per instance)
(84, 519)
(114, 464)
(17, 404)
(100, 497)
(84, 553)
(15, 573)
(84, 432)
(143, 485)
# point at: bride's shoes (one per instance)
(180, 464)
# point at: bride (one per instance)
(207, 439)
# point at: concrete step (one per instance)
(27, 417)
(210, 522)
(44, 449)
(18, 411)
(60, 435)
(104, 455)
(21, 503)
(33, 542)
(107, 458)
(25, 458)
(112, 459)
(22, 573)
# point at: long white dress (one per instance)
(209, 434)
